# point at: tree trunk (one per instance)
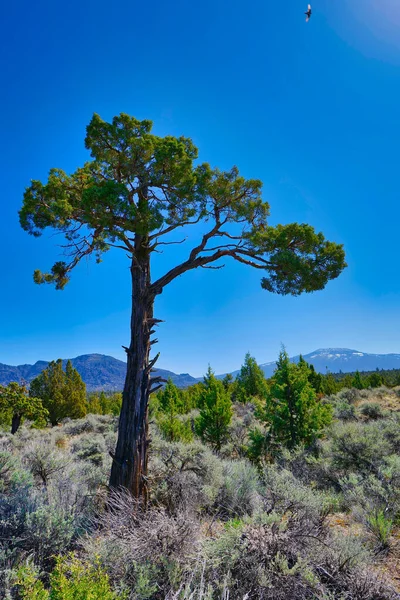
(15, 423)
(129, 467)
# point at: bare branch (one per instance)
(172, 228)
(211, 267)
(168, 243)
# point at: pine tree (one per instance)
(94, 405)
(292, 410)
(329, 385)
(251, 382)
(347, 381)
(315, 379)
(375, 380)
(171, 406)
(63, 393)
(137, 188)
(357, 381)
(74, 393)
(16, 404)
(213, 422)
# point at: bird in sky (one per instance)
(308, 13)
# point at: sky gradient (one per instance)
(310, 109)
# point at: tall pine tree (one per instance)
(135, 191)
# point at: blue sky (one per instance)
(311, 109)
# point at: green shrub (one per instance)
(381, 528)
(184, 475)
(372, 410)
(70, 580)
(344, 410)
(240, 490)
(358, 446)
(90, 447)
(175, 428)
(43, 460)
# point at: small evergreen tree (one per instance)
(251, 382)
(213, 422)
(292, 410)
(375, 380)
(329, 385)
(93, 404)
(228, 381)
(74, 393)
(16, 404)
(347, 381)
(63, 394)
(313, 377)
(357, 381)
(171, 406)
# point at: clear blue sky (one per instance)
(311, 109)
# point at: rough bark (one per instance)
(129, 468)
(15, 423)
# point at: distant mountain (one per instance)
(101, 372)
(335, 360)
(98, 371)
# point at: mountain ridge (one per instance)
(102, 372)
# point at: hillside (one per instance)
(334, 360)
(101, 372)
(98, 371)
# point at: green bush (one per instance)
(344, 410)
(358, 447)
(90, 447)
(175, 428)
(381, 527)
(240, 490)
(372, 410)
(71, 579)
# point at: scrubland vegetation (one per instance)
(258, 489)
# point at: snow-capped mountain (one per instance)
(346, 360)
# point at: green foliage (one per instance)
(381, 527)
(329, 385)
(70, 580)
(240, 490)
(214, 527)
(315, 379)
(292, 411)
(213, 422)
(250, 382)
(63, 394)
(109, 197)
(258, 446)
(172, 405)
(30, 586)
(16, 404)
(104, 403)
(357, 381)
(374, 380)
(358, 447)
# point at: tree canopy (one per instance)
(292, 411)
(63, 393)
(250, 382)
(16, 404)
(140, 183)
